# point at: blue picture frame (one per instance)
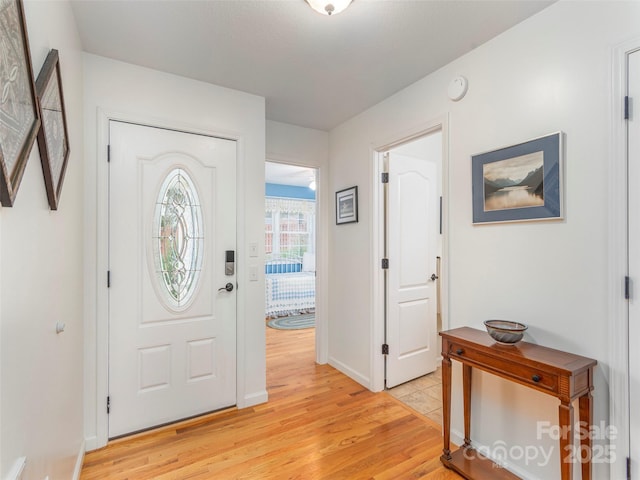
(522, 182)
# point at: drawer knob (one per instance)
(459, 351)
(536, 378)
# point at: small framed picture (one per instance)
(53, 138)
(347, 206)
(522, 182)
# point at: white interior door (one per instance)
(412, 234)
(172, 332)
(634, 261)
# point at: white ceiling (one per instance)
(314, 71)
(288, 174)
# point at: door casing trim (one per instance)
(97, 305)
(441, 123)
(618, 306)
(322, 209)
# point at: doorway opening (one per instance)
(624, 261)
(290, 246)
(413, 314)
(410, 285)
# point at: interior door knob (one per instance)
(228, 287)
(434, 277)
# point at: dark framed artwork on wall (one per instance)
(347, 206)
(19, 115)
(53, 138)
(522, 182)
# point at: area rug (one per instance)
(293, 322)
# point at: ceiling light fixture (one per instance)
(332, 7)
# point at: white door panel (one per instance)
(412, 250)
(151, 173)
(172, 334)
(634, 262)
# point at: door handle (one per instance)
(228, 287)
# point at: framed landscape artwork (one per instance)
(53, 138)
(19, 116)
(521, 182)
(347, 206)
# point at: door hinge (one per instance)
(385, 263)
(108, 153)
(628, 468)
(626, 107)
(384, 177)
(385, 349)
(108, 278)
(108, 404)
(627, 287)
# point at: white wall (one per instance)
(309, 148)
(136, 93)
(41, 284)
(551, 72)
(306, 147)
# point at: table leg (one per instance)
(446, 406)
(466, 389)
(586, 418)
(566, 440)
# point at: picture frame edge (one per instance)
(355, 220)
(51, 67)
(561, 191)
(11, 180)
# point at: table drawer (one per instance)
(505, 368)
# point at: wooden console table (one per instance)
(563, 375)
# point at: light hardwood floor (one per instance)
(318, 424)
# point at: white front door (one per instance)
(412, 235)
(172, 220)
(634, 261)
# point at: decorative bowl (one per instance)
(504, 331)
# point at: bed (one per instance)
(290, 286)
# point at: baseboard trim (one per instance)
(254, 399)
(17, 469)
(91, 443)
(79, 461)
(457, 438)
(351, 373)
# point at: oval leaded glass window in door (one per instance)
(178, 239)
